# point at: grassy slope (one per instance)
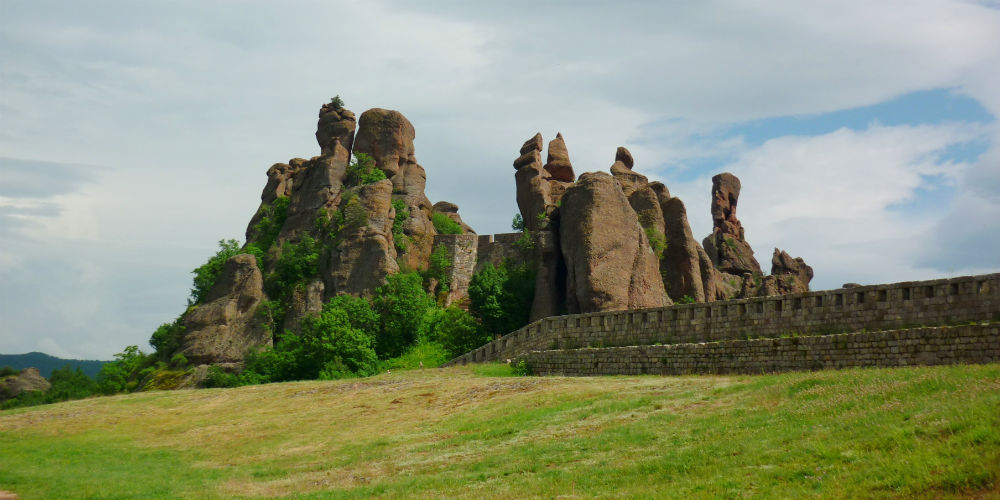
(460, 433)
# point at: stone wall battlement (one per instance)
(875, 307)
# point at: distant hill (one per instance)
(46, 363)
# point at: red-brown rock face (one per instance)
(609, 263)
(726, 246)
(335, 128)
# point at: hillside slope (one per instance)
(46, 363)
(928, 432)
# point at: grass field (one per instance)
(476, 432)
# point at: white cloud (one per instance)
(835, 199)
(186, 104)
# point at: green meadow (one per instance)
(479, 432)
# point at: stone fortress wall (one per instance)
(734, 323)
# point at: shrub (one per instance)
(336, 102)
(298, 262)
(327, 342)
(501, 296)
(687, 299)
(362, 170)
(355, 215)
(400, 303)
(267, 228)
(167, 339)
(455, 330)
(518, 223)
(206, 274)
(359, 312)
(68, 384)
(7, 371)
(439, 267)
(525, 243)
(124, 373)
(657, 240)
(402, 213)
(444, 225)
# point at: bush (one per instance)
(267, 228)
(518, 223)
(401, 241)
(7, 371)
(359, 312)
(68, 384)
(400, 304)
(455, 330)
(207, 273)
(657, 240)
(298, 262)
(444, 225)
(362, 170)
(167, 339)
(124, 373)
(501, 296)
(439, 267)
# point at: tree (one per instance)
(400, 304)
(206, 274)
(455, 329)
(501, 296)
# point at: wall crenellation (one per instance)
(875, 307)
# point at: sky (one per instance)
(135, 135)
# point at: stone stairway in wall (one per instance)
(945, 321)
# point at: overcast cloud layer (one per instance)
(134, 135)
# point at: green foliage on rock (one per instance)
(400, 239)
(439, 267)
(267, 228)
(206, 274)
(444, 225)
(657, 240)
(167, 339)
(362, 170)
(501, 296)
(298, 262)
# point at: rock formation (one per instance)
(792, 275)
(609, 262)
(335, 128)
(727, 246)
(387, 136)
(601, 242)
(539, 191)
(226, 325)
(27, 381)
(316, 205)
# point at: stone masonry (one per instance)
(877, 307)
(918, 346)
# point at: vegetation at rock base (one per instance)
(501, 296)
(68, 383)
(478, 432)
